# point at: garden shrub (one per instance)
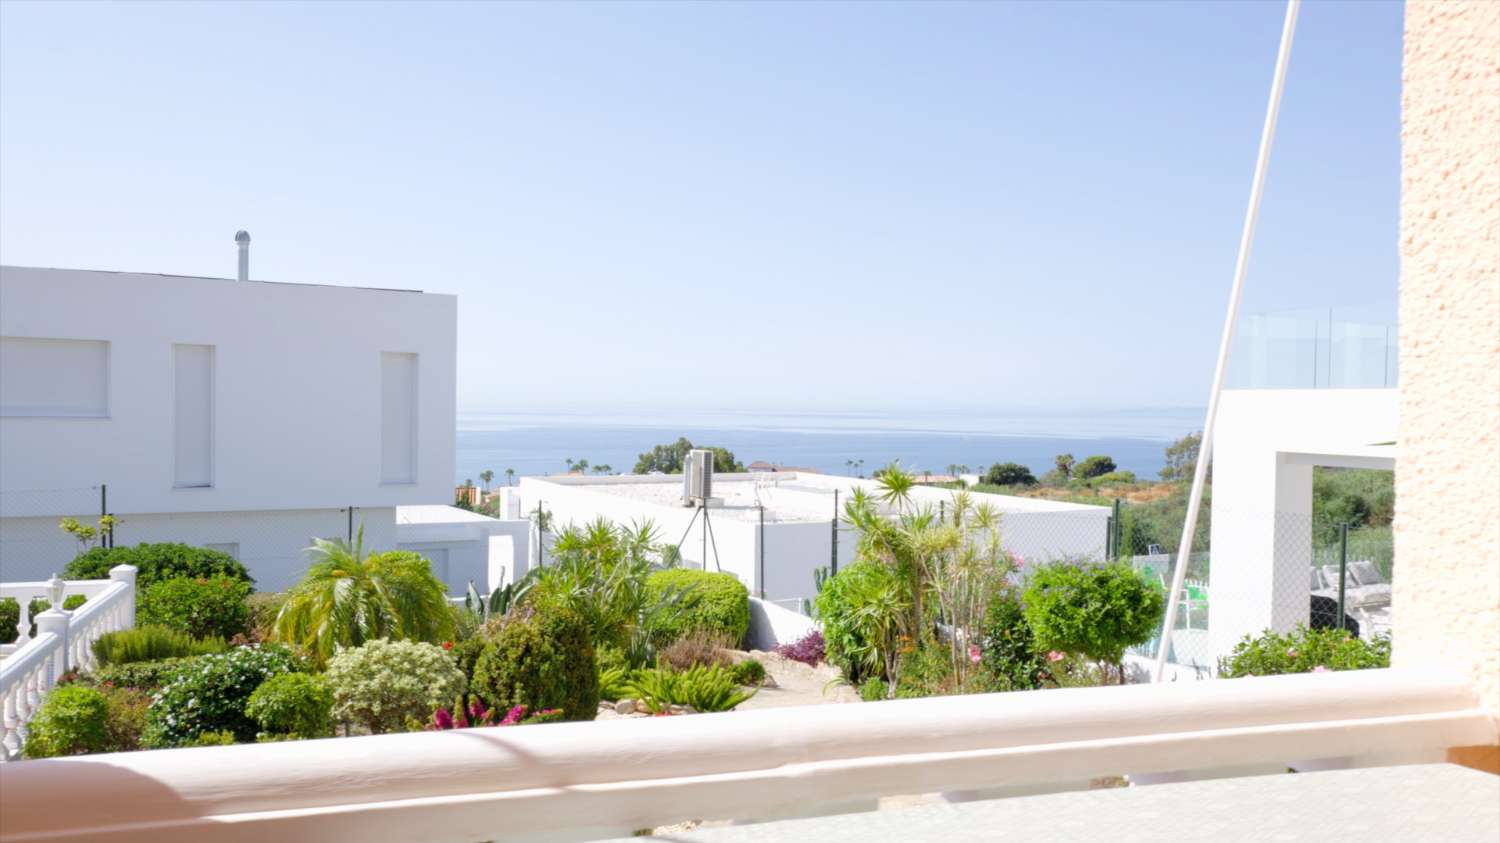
(466, 654)
(156, 562)
(209, 694)
(809, 649)
(382, 682)
(706, 689)
(614, 683)
(71, 721)
(126, 718)
(748, 672)
(541, 658)
(145, 676)
(720, 603)
(263, 607)
(1009, 649)
(150, 643)
(844, 608)
(924, 671)
(697, 647)
(1096, 611)
(223, 737)
(298, 705)
(1304, 651)
(199, 607)
(1092, 467)
(10, 619)
(873, 690)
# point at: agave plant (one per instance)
(348, 597)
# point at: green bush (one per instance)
(10, 620)
(144, 676)
(209, 694)
(223, 737)
(1113, 478)
(151, 643)
(71, 721)
(381, 683)
(1009, 474)
(925, 671)
(858, 607)
(299, 705)
(748, 672)
(1009, 649)
(1095, 611)
(199, 607)
(1304, 651)
(706, 689)
(1093, 467)
(542, 658)
(720, 603)
(126, 720)
(873, 690)
(156, 562)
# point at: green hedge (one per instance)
(540, 658)
(72, 721)
(201, 608)
(155, 562)
(10, 614)
(1304, 651)
(720, 604)
(151, 643)
(1096, 611)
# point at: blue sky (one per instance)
(713, 205)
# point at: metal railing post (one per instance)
(1343, 565)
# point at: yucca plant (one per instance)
(348, 598)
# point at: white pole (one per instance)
(1247, 236)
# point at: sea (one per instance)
(535, 443)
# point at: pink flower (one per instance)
(1320, 669)
(442, 720)
(974, 654)
(1055, 656)
(514, 716)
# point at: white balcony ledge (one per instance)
(589, 780)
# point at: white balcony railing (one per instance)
(64, 642)
(577, 781)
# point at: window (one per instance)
(398, 417)
(193, 420)
(54, 378)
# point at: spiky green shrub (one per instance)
(71, 721)
(541, 657)
(381, 683)
(156, 562)
(719, 604)
(209, 694)
(614, 683)
(202, 608)
(861, 609)
(706, 689)
(150, 643)
(298, 705)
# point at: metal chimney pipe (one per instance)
(242, 238)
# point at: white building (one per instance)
(773, 530)
(243, 415)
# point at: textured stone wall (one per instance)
(1447, 586)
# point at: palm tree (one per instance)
(486, 476)
(603, 468)
(347, 598)
(859, 466)
(510, 474)
(895, 486)
(569, 461)
(582, 466)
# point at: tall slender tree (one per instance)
(486, 476)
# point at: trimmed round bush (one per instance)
(748, 672)
(1096, 611)
(541, 658)
(209, 694)
(381, 683)
(155, 562)
(295, 704)
(1304, 651)
(71, 721)
(201, 608)
(1009, 649)
(720, 605)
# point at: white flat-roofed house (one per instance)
(244, 415)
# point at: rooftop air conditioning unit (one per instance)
(697, 477)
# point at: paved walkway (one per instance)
(798, 684)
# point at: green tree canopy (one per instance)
(1093, 467)
(1009, 474)
(668, 459)
(1182, 458)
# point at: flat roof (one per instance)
(436, 514)
(789, 496)
(212, 278)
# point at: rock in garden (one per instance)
(625, 707)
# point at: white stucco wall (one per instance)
(297, 391)
(1447, 528)
(1265, 448)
